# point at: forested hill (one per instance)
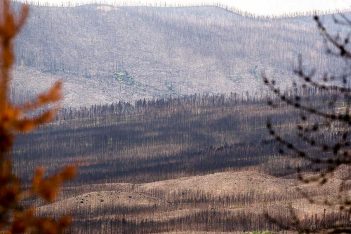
(105, 54)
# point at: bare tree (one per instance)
(321, 138)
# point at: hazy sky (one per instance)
(261, 7)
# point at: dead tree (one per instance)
(321, 138)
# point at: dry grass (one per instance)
(157, 200)
(226, 183)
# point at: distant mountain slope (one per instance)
(126, 53)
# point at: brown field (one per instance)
(239, 192)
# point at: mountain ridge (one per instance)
(231, 6)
